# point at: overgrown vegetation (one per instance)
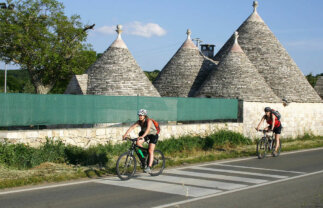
(22, 156)
(54, 161)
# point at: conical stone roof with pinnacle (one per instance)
(271, 60)
(117, 73)
(185, 72)
(319, 86)
(236, 77)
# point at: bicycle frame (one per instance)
(143, 156)
(269, 138)
(127, 162)
(267, 143)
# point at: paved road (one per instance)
(291, 180)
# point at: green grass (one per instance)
(54, 161)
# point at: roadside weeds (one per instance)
(56, 172)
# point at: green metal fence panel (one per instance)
(32, 109)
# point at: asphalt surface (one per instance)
(290, 180)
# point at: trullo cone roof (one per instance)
(185, 72)
(236, 77)
(117, 73)
(271, 60)
(319, 86)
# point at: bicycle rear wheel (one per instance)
(262, 148)
(158, 163)
(126, 166)
(279, 148)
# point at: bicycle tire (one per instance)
(158, 163)
(262, 145)
(126, 166)
(279, 148)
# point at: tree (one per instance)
(152, 75)
(36, 35)
(312, 79)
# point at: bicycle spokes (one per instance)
(262, 146)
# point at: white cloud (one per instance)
(106, 30)
(136, 28)
(144, 30)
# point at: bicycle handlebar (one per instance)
(263, 130)
(133, 140)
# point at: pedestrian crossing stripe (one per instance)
(179, 189)
(218, 176)
(197, 181)
(239, 172)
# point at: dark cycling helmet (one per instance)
(267, 109)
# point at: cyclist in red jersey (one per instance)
(276, 128)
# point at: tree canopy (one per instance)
(37, 35)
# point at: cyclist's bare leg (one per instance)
(277, 137)
(151, 150)
(140, 142)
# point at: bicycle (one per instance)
(127, 163)
(267, 143)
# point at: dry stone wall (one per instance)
(94, 136)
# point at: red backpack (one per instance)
(156, 125)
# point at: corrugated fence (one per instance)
(35, 109)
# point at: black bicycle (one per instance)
(267, 144)
(127, 163)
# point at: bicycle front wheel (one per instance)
(262, 148)
(158, 163)
(126, 166)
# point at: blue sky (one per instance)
(155, 29)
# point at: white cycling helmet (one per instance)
(142, 112)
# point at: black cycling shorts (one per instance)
(150, 137)
(277, 130)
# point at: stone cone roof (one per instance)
(319, 86)
(271, 60)
(237, 77)
(116, 73)
(185, 72)
(77, 85)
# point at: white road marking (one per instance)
(217, 176)
(274, 170)
(236, 190)
(238, 172)
(189, 191)
(44, 187)
(196, 182)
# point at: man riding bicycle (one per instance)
(274, 125)
(148, 133)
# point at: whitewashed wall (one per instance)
(297, 118)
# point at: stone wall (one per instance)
(85, 137)
(297, 119)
